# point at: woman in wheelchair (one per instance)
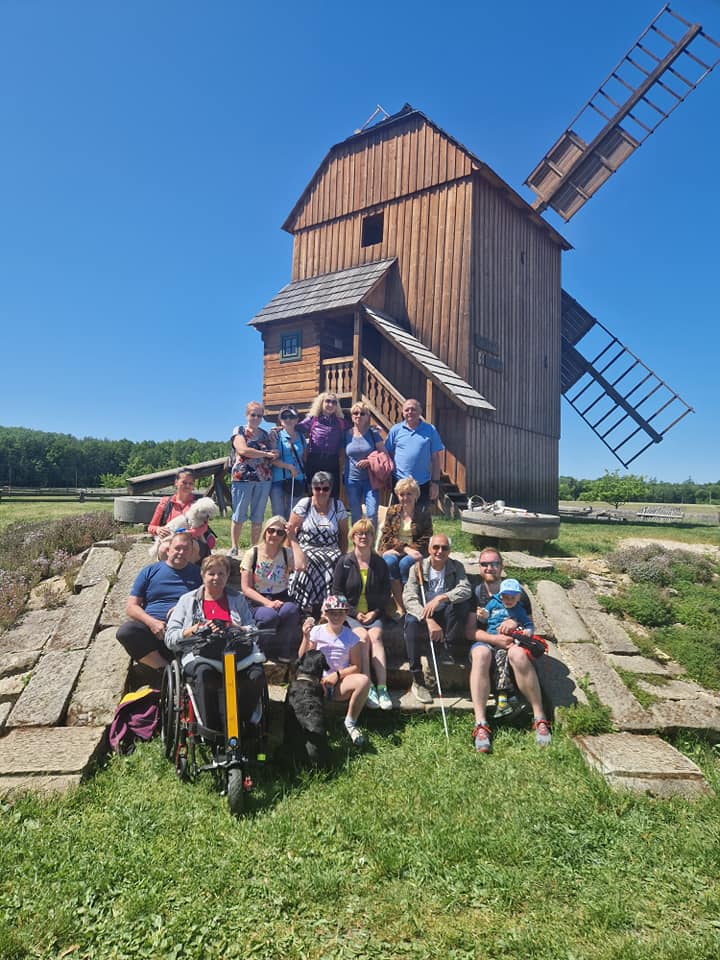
(216, 606)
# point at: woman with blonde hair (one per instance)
(325, 429)
(362, 576)
(265, 578)
(360, 441)
(406, 535)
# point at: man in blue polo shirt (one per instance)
(156, 590)
(415, 446)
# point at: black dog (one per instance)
(305, 728)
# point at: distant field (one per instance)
(702, 508)
(38, 508)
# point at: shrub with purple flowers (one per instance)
(30, 553)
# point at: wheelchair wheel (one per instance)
(170, 692)
(236, 791)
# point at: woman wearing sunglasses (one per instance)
(320, 524)
(251, 474)
(325, 429)
(265, 578)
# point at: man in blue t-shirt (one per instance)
(156, 590)
(415, 446)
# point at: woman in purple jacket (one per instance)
(325, 430)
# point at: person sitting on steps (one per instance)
(437, 594)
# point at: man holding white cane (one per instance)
(437, 594)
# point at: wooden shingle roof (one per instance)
(328, 291)
(431, 365)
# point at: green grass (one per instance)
(416, 849)
(35, 509)
(583, 539)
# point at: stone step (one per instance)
(79, 619)
(102, 682)
(49, 751)
(643, 764)
(44, 700)
(31, 632)
(607, 632)
(564, 619)
(136, 558)
(585, 659)
(101, 563)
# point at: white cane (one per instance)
(292, 495)
(432, 651)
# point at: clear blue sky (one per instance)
(151, 150)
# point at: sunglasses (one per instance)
(255, 416)
(275, 531)
(438, 546)
(322, 489)
(333, 402)
(489, 563)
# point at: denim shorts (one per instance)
(249, 496)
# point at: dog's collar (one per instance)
(307, 678)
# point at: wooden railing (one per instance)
(381, 397)
(337, 376)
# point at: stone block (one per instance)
(101, 684)
(21, 662)
(31, 632)
(540, 621)
(4, 711)
(57, 750)
(582, 596)
(525, 561)
(700, 714)
(53, 592)
(676, 690)
(100, 564)
(643, 765)
(13, 787)
(586, 659)
(564, 619)
(43, 701)
(80, 616)
(11, 688)
(638, 664)
(559, 687)
(113, 612)
(608, 633)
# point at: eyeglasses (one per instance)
(359, 413)
(328, 400)
(322, 489)
(439, 546)
(489, 563)
(253, 416)
(275, 532)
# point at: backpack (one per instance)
(136, 718)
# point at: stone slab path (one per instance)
(62, 673)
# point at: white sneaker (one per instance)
(354, 732)
(372, 700)
(384, 698)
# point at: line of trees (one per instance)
(616, 488)
(33, 458)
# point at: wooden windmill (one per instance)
(417, 271)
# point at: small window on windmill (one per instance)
(291, 346)
(372, 229)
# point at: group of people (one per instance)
(315, 581)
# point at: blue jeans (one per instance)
(280, 502)
(398, 567)
(359, 492)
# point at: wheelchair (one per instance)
(214, 710)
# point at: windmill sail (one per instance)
(623, 402)
(664, 65)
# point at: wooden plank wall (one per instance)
(396, 161)
(293, 382)
(429, 233)
(510, 464)
(516, 304)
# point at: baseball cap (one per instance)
(287, 412)
(511, 585)
(336, 601)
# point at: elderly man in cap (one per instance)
(502, 615)
(436, 594)
(288, 476)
